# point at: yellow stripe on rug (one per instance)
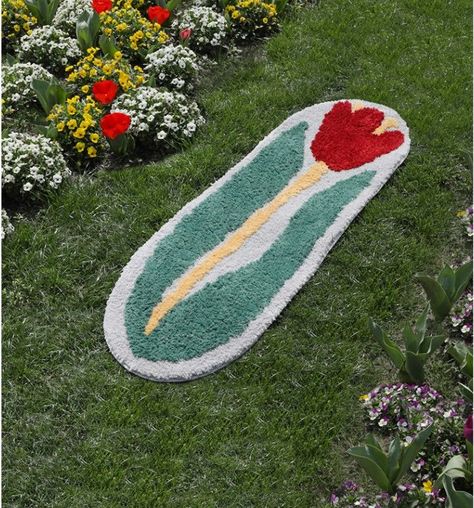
(234, 242)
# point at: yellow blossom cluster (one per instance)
(252, 18)
(131, 31)
(16, 20)
(95, 67)
(77, 124)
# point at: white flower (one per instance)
(161, 135)
(27, 163)
(16, 85)
(50, 47)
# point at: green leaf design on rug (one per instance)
(223, 309)
(208, 224)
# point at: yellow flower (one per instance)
(461, 213)
(80, 146)
(265, 20)
(118, 55)
(71, 110)
(428, 486)
(91, 151)
(242, 19)
(72, 124)
(235, 14)
(60, 126)
(108, 32)
(80, 133)
(94, 137)
(16, 28)
(364, 397)
(85, 88)
(93, 73)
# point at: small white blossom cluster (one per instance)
(50, 47)
(209, 28)
(16, 85)
(174, 66)
(68, 12)
(6, 226)
(160, 116)
(32, 164)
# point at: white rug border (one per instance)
(186, 370)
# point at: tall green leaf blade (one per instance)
(446, 278)
(412, 342)
(393, 463)
(371, 467)
(462, 277)
(414, 366)
(410, 452)
(456, 499)
(422, 321)
(439, 301)
(392, 350)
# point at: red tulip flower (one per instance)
(114, 124)
(105, 91)
(185, 34)
(468, 428)
(101, 5)
(347, 139)
(158, 14)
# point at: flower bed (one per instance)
(69, 66)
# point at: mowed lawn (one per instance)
(271, 429)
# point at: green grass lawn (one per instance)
(271, 429)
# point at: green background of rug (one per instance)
(209, 223)
(223, 309)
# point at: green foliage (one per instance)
(108, 46)
(418, 348)
(444, 291)
(456, 498)
(463, 356)
(43, 10)
(48, 94)
(386, 469)
(87, 29)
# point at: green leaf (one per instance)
(108, 46)
(43, 10)
(463, 356)
(435, 342)
(371, 467)
(392, 350)
(463, 276)
(455, 468)
(439, 301)
(456, 499)
(11, 60)
(410, 452)
(421, 323)
(412, 342)
(87, 28)
(467, 391)
(447, 280)
(173, 4)
(414, 366)
(48, 94)
(393, 463)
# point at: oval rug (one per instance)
(201, 291)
